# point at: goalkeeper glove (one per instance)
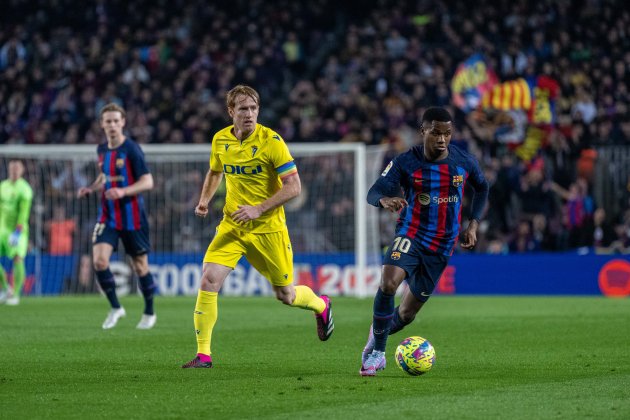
(15, 237)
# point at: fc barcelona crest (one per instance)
(120, 163)
(458, 180)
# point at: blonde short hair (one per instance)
(112, 107)
(230, 99)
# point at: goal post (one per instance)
(335, 234)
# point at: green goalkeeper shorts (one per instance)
(12, 251)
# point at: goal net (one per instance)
(335, 234)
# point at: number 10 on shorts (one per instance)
(401, 244)
(98, 231)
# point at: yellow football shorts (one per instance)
(269, 253)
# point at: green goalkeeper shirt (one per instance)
(15, 204)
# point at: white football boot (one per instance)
(146, 322)
(113, 316)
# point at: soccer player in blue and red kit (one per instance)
(432, 177)
(121, 216)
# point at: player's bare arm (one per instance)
(291, 188)
(210, 186)
(144, 183)
(469, 237)
(393, 204)
(96, 186)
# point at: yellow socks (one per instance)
(206, 312)
(305, 298)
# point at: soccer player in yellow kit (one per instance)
(260, 177)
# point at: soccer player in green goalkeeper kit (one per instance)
(16, 196)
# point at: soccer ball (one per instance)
(415, 356)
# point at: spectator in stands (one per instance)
(61, 230)
(523, 240)
(577, 210)
(542, 234)
(11, 52)
(535, 193)
(598, 232)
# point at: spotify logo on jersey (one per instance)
(424, 199)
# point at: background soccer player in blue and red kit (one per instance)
(432, 177)
(121, 216)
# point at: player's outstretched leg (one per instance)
(305, 298)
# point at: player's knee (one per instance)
(285, 298)
(100, 263)
(205, 282)
(141, 267)
(209, 282)
(284, 295)
(389, 286)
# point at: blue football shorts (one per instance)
(136, 242)
(423, 267)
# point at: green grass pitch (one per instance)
(497, 357)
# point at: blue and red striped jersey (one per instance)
(434, 191)
(122, 166)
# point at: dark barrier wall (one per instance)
(532, 274)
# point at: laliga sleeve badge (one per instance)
(389, 166)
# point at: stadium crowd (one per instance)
(338, 73)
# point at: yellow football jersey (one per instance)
(253, 170)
